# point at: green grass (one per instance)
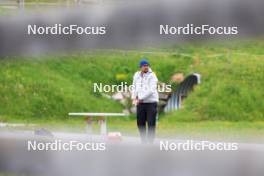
(7, 11)
(231, 86)
(47, 89)
(50, 1)
(50, 87)
(203, 130)
(12, 8)
(243, 131)
(44, 89)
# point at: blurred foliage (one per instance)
(121, 77)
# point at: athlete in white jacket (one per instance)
(145, 97)
(145, 86)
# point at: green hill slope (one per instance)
(232, 83)
(51, 86)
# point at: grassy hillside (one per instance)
(51, 86)
(232, 83)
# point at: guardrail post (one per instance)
(21, 4)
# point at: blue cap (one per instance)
(143, 62)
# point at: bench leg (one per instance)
(103, 127)
(89, 122)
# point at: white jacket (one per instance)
(145, 87)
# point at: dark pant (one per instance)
(146, 113)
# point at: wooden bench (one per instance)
(99, 117)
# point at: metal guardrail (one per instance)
(12, 3)
(182, 91)
(22, 3)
